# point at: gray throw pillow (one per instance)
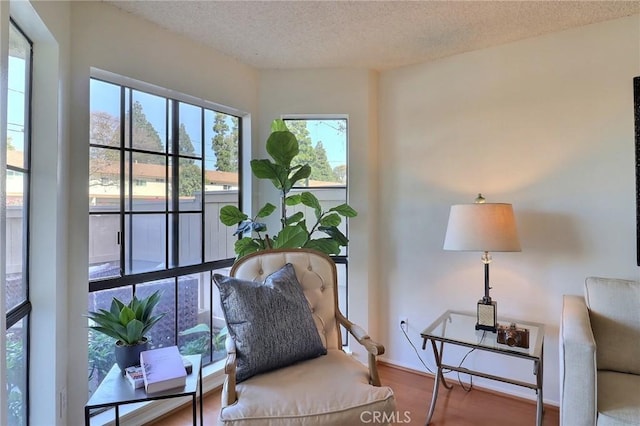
(270, 322)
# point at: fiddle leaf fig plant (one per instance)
(282, 146)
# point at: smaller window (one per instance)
(140, 182)
(323, 145)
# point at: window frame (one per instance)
(342, 259)
(170, 276)
(23, 310)
(339, 259)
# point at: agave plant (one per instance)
(127, 323)
(283, 147)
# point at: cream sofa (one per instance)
(600, 354)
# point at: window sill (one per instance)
(145, 412)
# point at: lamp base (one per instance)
(487, 315)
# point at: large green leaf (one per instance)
(266, 210)
(345, 210)
(282, 146)
(310, 200)
(147, 306)
(325, 245)
(294, 218)
(293, 200)
(290, 237)
(126, 315)
(332, 219)
(108, 324)
(134, 332)
(151, 322)
(111, 332)
(302, 173)
(231, 215)
(335, 234)
(265, 169)
(116, 307)
(246, 245)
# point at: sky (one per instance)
(15, 102)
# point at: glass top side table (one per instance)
(115, 390)
(458, 328)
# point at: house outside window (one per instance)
(172, 162)
(17, 184)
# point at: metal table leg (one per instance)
(538, 371)
(194, 409)
(201, 401)
(439, 377)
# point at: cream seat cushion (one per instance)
(618, 399)
(297, 395)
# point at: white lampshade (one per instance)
(482, 227)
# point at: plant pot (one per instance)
(129, 355)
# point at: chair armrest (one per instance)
(373, 348)
(578, 369)
(361, 336)
(229, 388)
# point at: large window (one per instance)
(18, 307)
(161, 166)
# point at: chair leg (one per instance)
(373, 371)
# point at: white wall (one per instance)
(107, 38)
(336, 91)
(545, 124)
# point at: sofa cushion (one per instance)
(614, 311)
(299, 395)
(618, 399)
(270, 321)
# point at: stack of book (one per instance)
(162, 369)
(134, 376)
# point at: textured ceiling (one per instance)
(365, 34)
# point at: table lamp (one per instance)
(484, 227)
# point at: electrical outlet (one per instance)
(403, 322)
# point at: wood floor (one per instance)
(412, 390)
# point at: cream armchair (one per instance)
(332, 389)
(600, 354)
